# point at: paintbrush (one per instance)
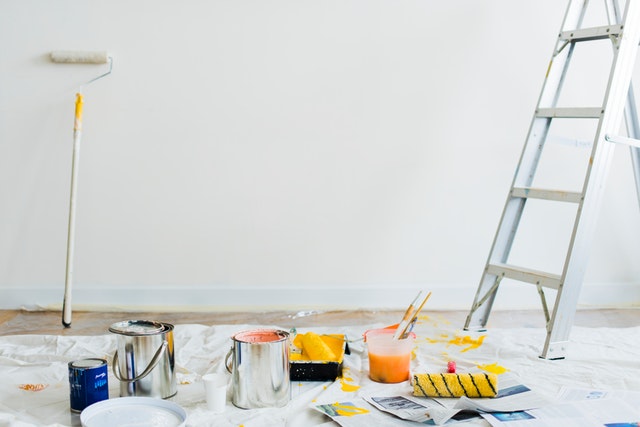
(414, 317)
(407, 317)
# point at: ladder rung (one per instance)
(623, 140)
(570, 113)
(522, 274)
(539, 193)
(594, 33)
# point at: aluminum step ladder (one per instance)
(623, 30)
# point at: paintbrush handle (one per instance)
(414, 317)
(406, 317)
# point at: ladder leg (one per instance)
(479, 314)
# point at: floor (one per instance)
(19, 322)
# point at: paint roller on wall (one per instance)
(76, 57)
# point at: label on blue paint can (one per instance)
(88, 383)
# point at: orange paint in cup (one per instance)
(389, 359)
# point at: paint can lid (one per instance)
(87, 363)
(137, 327)
(260, 336)
(133, 411)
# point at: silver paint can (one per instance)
(259, 365)
(144, 361)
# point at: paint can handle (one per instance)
(152, 364)
(226, 360)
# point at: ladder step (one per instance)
(594, 33)
(570, 112)
(548, 280)
(543, 194)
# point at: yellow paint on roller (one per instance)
(319, 348)
(455, 385)
(493, 368)
(316, 348)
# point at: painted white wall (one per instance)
(266, 153)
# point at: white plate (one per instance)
(133, 411)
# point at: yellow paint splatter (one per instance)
(493, 368)
(347, 382)
(413, 353)
(348, 410)
(348, 387)
(472, 343)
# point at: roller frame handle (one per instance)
(68, 284)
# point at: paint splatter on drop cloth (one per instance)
(343, 409)
(493, 368)
(347, 384)
(471, 343)
(33, 387)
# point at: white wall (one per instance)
(268, 153)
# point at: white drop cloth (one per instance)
(598, 358)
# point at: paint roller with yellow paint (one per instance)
(455, 385)
(314, 347)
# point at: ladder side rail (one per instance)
(525, 170)
(625, 51)
(633, 130)
(630, 111)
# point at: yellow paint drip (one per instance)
(472, 343)
(493, 368)
(348, 410)
(347, 386)
(347, 382)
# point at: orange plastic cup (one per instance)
(389, 359)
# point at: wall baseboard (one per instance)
(271, 298)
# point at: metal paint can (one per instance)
(88, 383)
(144, 361)
(260, 369)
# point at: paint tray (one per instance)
(302, 369)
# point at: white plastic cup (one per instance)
(389, 359)
(215, 388)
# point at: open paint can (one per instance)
(144, 360)
(259, 367)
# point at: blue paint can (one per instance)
(88, 383)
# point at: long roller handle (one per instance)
(77, 131)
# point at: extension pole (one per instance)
(77, 131)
